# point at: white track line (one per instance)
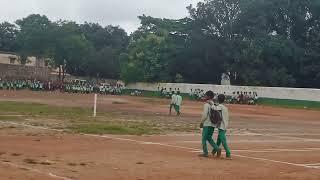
(36, 171)
(252, 141)
(316, 164)
(187, 148)
(280, 162)
(275, 150)
(283, 135)
(167, 145)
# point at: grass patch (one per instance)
(287, 103)
(34, 109)
(112, 128)
(10, 118)
(153, 94)
(80, 120)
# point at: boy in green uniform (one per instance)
(173, 101)
(222, 139)
(208, 127)
(178, 104)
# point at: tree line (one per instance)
(79, 49)
(256, 42)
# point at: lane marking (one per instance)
(167, 145)
(316, 164)
(275, 150)
(181, 147)
(36, 171)
(251, 141)
(275, 161)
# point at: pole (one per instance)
(95, 106)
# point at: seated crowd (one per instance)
(238, 97)
(67, 86)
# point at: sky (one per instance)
(104, 12)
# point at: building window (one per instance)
(12, 60)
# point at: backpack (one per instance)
(215, 116)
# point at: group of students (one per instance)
(34, 85)
(167, 93)
(249, 98)
(196, 94)
(114, 90)
(215, 115)
(238, 97)
(83, 88)
(69, 87)
(176, 102)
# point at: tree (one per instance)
(213, 38)
(106, 64)
(33, 39)
(109, 42)
(8, 34)
(70, 51)
(148, 59)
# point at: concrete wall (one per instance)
(9, 71)
(10, 58)
(266, 92)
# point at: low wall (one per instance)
(9, 71)
(265, 92)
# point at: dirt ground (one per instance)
(267, 143)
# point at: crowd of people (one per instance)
(167, 93)
(237, 97)
(82, 87)
(196, 94)
(34, 85)
(240, 97)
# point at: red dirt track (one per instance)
(267, 144)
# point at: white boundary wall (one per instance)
(266, 92)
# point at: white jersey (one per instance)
(174, 99)
(178, 100)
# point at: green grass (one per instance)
(34, 109)
(10, 118)
(287, 103)
(77, 120)
(153, 94)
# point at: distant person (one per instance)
(207, 126)
(222, 139)
(173, 101)
(246, 98)
(234, 97)
(178, 103)
(241, 97)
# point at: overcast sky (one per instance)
(105, 12)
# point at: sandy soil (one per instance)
(267, 143)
